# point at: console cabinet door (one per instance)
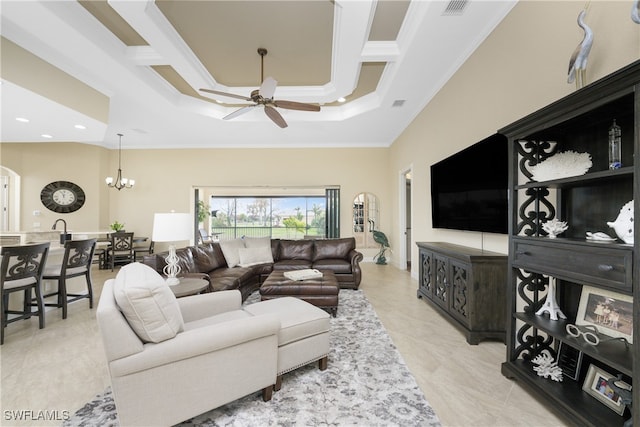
(460, 277)
(441, 284)
(426, 284)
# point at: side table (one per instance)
(189, 286)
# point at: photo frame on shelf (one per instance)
(569, 360)
(610, 312)
(596, 384)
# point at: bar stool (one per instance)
(76, 262)
(21, 270)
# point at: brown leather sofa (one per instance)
(338, 255)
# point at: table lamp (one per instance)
(172, 227)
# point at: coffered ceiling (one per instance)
(136, 66)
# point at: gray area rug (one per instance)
(367, 384)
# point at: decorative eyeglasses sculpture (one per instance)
(591, 335)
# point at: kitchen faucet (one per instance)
(63, 237)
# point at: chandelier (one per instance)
(120, 182)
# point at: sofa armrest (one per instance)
(196, 307)
(355, 257)
(196, 342)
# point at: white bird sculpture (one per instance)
(635, 11)
(578, 61)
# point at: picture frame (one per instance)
(610, 312)
(596, 385)
(569, 360)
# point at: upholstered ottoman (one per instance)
(321, 292)
(303, 336)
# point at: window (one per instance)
(280, 217)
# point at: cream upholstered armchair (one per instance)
(172, 359)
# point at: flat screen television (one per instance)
(469, 190)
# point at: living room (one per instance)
(520, 67)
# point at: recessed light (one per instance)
(46, 135)
(342, 99)
(22, 119)
(80, 127)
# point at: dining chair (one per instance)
(141, 250)
(21, 271)
(76, 262)
(121, 249)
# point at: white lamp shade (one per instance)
(172, 227)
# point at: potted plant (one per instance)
(203, 211)
(117, 227)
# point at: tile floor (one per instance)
(61, 367)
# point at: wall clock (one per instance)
(62, 196)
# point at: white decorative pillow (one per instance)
(257, 242)
(253, 256)
(230, 250)
(147, 303)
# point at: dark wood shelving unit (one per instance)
(578, 122)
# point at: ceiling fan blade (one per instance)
(230, 95)
(275, 116)
(268, 87)
(291, 105)
(239, 112)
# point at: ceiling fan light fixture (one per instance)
(264, 96)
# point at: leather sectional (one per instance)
(337, 255)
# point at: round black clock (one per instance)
(62, 196)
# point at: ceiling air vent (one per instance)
(455, 7)
(398, 103)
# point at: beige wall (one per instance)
(521, 67)
(165, 179)
(38, 164)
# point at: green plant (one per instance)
(116, 226)
(203, 211)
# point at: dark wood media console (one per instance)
(468, 286)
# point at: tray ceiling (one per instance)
(146, 60)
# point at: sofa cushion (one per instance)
(147, 303)
(230, 249)
(292, 264)
(257, 242)
(338, 266)
(208, 257)
(296, 249)
(254, 256)
(185, 261)
(334, 248)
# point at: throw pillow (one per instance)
(257, 242)
(254, 256)
(230, 250)
(147, 303)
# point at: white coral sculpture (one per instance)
(554, 227)
(562, 165)
(547, 367)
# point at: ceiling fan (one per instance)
(264, 96)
